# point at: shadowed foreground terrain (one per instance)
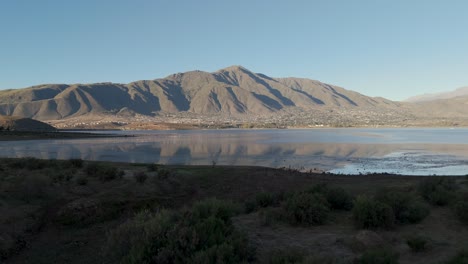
(77, 211)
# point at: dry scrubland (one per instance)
(93, 212)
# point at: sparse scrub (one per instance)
(379, 256)
(103, 173)
(404, 205)
(163, 173)
(268, 216)
(460, 258)
(369, 213)
(81, 180)
(152, 167)
(76, 163)
(417, 243)
(461, 209)
(306, 208)
(202, 234)
(264, 199)
(339, 199)
(438, 190)
(140, 177)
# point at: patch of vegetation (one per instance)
(379, 256)
(337, 197)
(417, 243)
(153, 167)
(103, 172)
(163, 173)
(460, 258)
(76, 163)
(461, 209)
(305, 208)
(262, 200)
(140, 177)
(405, 206)
(438, 191)
(81, 180)
(369, 213)
(202, 234)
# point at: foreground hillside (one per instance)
(93, 212)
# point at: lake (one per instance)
(412, 151)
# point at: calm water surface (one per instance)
(404, 151)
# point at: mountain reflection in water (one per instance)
(340, 150)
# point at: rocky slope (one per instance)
(233, 91)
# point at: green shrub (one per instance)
(339, 199)
(379, 256)
(404, 205)
(369, 213)
(202, 234)
(417, 243)
(461, 210)
(81, 180)
(152, 167)
(103, 172)
(306, 208)
(264, 199)
(76, 163)
(287, 256)
(163, 173)
(92, 169)
(460, 258)
(140, 177)
(415, 213)
(438, 190)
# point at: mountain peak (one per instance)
(234, 68)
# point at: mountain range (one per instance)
(233, 92)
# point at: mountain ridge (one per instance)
(232, 95)
(233, 90)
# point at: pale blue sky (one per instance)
(393, 49)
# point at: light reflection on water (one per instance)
(353, 151)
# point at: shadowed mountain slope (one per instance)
(13, 123)
(231, 91)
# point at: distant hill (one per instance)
(233, 91)
(463, 91)
(13, 123)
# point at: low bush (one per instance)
(264, 199)
(81, 180)
(261, 200)
(163, 173)
(152, 167)
(380, 256)
(305, 208)
(140, 177)
(369, 213)
(405, 206)
(202, 234)
(461, 209)
(460, 258)
(417, 243)
(438, 191)
(76, 163)
(103, 173)
(337, 197)
(285, 256)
